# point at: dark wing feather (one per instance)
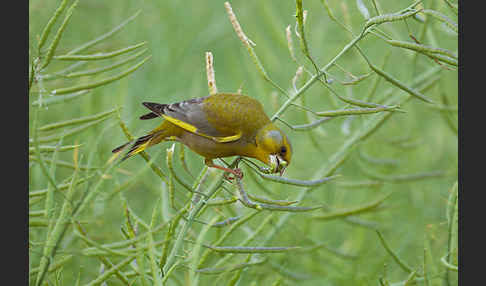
(150, 115)
(189, 111)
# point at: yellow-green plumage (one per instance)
(216, 126)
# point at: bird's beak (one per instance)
(277, 164)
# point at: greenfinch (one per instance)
(216, 126)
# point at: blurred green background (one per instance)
(178, 34)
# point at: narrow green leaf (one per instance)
(49, 203)
(59, 99)
(220, 202)
(151, 249)
(445, 59)
(126, 243)
(50, 23)
(225, 235)
(50, 149)
(296, 182)
(168, 236)
(356, 111)
(451, 203)
(272, 207)
(196, 250)
(99, 56)
(392, 17)
(104, 36)
(169, 160)
(353, 211)
(230, 268)
(105, 81)
(250, 239)
(57, 233)
(70, 132)
(251, 249)
(60, 187)
(226, 222)
(453, 228)
(395, 257)
(356, 80)
(197, 206)
(299, 14)
(411, 279)
(376, 80)
(55, 265)
(102, 258)
(399, 84)
(422, 48)
(37, 213)
(106, 68)
(269, 201)
(103, 277)
(77, 120)
(453, 6)
(443, 18)
(448, 265)
(361, 184)
(57, 38)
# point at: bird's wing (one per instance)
(191, 116)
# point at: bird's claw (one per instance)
(227, 177)
(237, 174)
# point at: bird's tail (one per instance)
(163, 132)
(141, 143)
(137, 146)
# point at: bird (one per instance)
(216, 126)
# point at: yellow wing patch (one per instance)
(227, 138)
(193, 129)
(180, 123)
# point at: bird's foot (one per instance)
(236, 172)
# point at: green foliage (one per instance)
(369, 93)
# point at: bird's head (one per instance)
(273, 148)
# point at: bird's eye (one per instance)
(283, 150)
